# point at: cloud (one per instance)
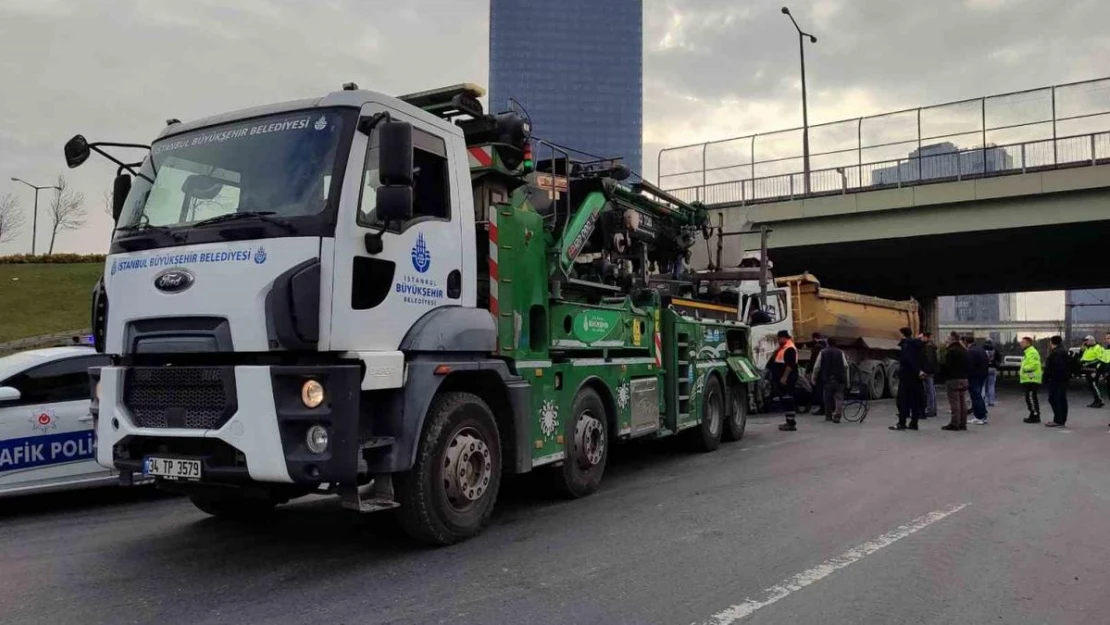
(115, 70)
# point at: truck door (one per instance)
(377, 297)
(764, 341)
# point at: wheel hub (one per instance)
(589, 440)
(467, 468)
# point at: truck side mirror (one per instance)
(394, 196)
(77, 151)
(121, 186)
(395, 154)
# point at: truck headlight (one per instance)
(312, 393)
(316, 439)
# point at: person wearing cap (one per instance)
(818, 388)
(784, 377)
(1090, 361)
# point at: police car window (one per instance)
(431, 189)
(65, 380)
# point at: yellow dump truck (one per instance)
(865, 327)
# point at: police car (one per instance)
(47, 439)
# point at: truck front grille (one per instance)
(180, 397)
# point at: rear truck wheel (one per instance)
(587, 447)
(449, 493)
(737, 420)
(892, 379)
(707, 436)
(234, 507)
(872, 379)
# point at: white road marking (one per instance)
(828, 567)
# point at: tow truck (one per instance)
(391, 301)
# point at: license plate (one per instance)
(172, 468)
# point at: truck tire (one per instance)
(892, 379)
(737, 420)
(872, 379)
(587, 447)
(707, 436)
(449, 493)
(234, 507)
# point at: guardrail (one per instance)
(979, 162)
(76, 337)
(985, 136)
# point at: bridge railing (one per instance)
(1062, 125)
(966, 164)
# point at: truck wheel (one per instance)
(737, 420)
(707, 436)
(234, 507)
(892, 379)
(587, 447)
(872, 379)
(449, 493)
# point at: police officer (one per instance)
(784, 377)
(1091, 361)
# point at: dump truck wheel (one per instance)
(587, 447)
(737, 420)
(449, 493)
(892, 379)
(872, 379)
(707, 436)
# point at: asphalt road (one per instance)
(846, 523)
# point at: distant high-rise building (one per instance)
(943, 160)
(980, 308)
(577, 68)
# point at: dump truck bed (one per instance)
(849, 318)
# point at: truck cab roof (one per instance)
(355, 98)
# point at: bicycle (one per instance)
(856, 404)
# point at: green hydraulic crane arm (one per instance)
(681, 214)
(578, 232)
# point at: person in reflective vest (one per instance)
(784, 378)
(1091, 361)
(1030, 376)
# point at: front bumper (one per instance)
(257, 435)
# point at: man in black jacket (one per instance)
(831, 374)
(955, 370)
(818, 390)
(911, 390)
(977, 372)
(1056, 373)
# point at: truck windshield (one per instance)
(280, 168)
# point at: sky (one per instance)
(115, 70)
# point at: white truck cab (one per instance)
(253, 298)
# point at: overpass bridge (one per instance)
(1001, 193)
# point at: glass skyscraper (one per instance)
(577, 68)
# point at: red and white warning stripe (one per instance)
(493, 273)
(658, 351)
(481, 156)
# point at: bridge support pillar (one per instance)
(930, 315)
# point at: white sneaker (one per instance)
(978, 422)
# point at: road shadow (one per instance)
(78, 501)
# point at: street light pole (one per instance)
(805, 109)
(35, 213)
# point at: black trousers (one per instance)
(1058, 399)
(911, 399)
(1092, 383)
(1031, 400)
(785, 394)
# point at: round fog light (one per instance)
(312, 393)
(317, 439)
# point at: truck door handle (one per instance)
(454, 284)
(85, 419)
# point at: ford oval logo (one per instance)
(173, 281)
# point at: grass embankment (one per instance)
(45, 298)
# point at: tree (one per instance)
(11, 218)
(66, 210)
(108, 203)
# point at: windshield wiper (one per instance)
(163, 230)
(266, 216)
